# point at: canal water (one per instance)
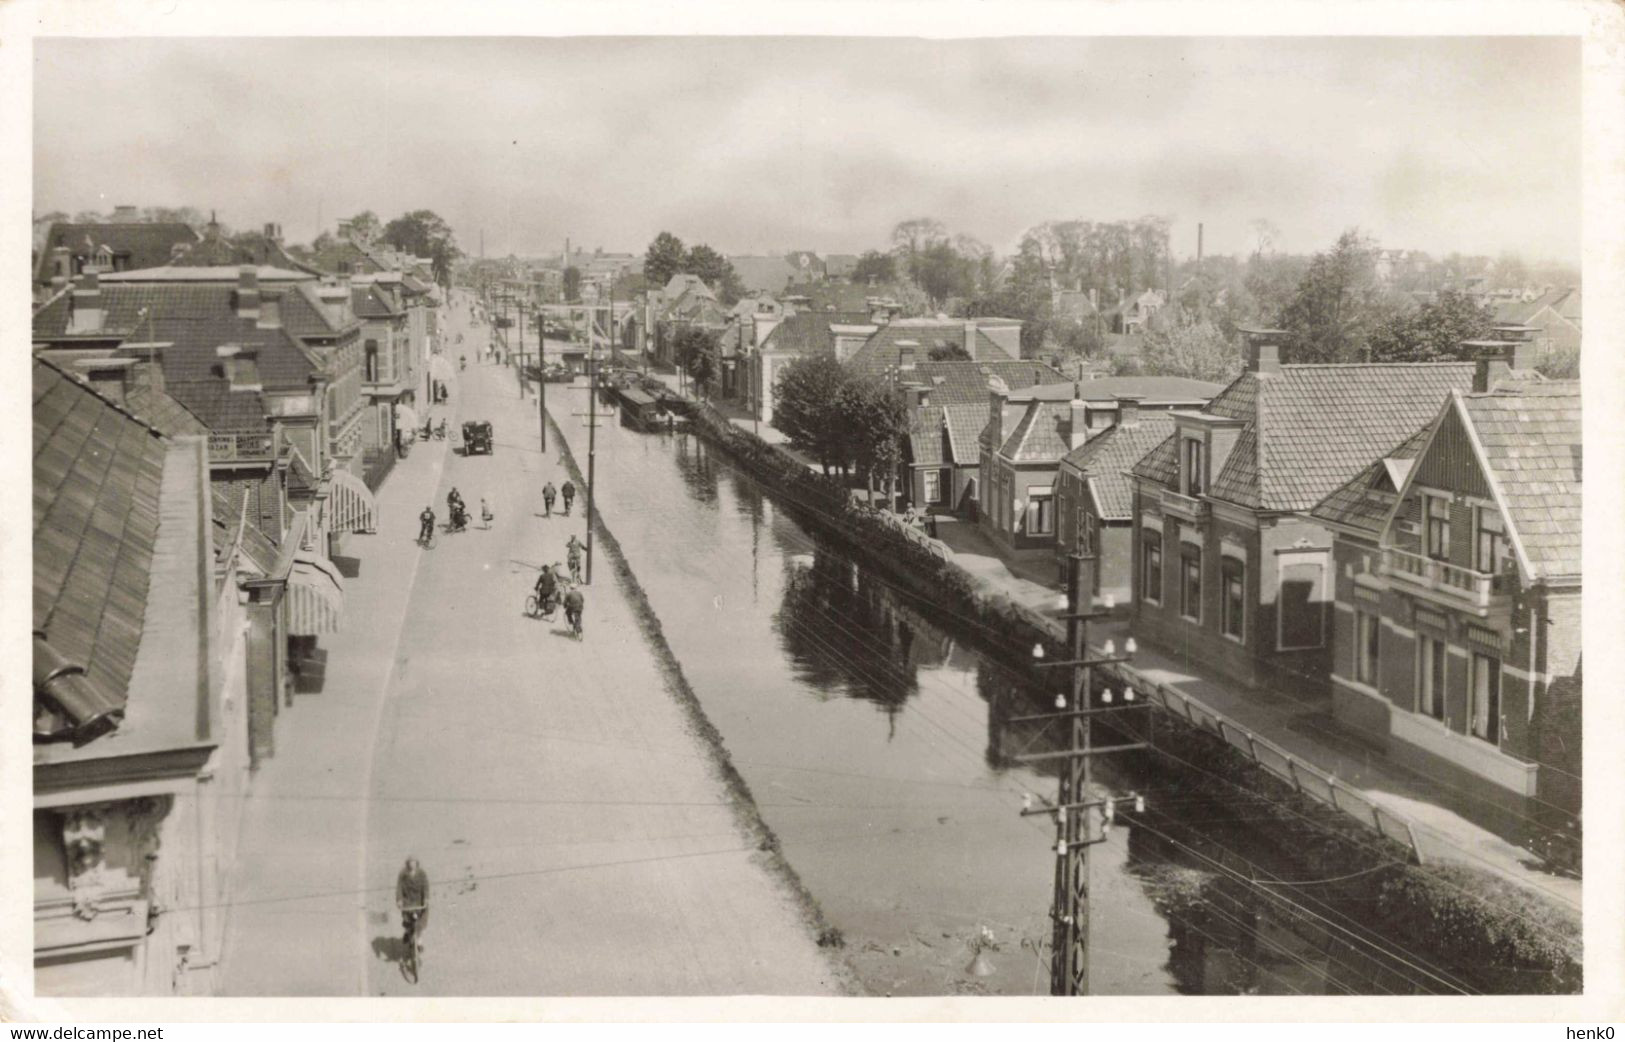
(872, 741)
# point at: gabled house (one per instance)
(803, 334)
(71, 248)
(1094, 498)
(1554, 315)
(1229, 569)
(139, 748)
(1029, 432)
(903, 343)
(1456, 561)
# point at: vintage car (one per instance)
(477, 437)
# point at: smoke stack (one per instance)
(248, 292)
(86, 314)
(273, 233)
(1128, 410)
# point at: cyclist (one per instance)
(569, 492)
(574, 603)
(412, 898)
(574, 557)
(426, 524)
(549, 493)
(547, 590)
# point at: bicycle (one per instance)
(413, 956)
(537, 608)
(426, 538)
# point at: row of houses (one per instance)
(208, 433)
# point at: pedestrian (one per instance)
(569, 491)
(548, 495)
(485, 513)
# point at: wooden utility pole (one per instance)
(541, 376)
(1080, 820)
(592, 434)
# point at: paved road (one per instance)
(512, 760)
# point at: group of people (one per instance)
(550, 494)
(456, 512)
(551, 578)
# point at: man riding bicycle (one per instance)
(574, 602)
(549, 493)
(547, 589)
(574, 557)
(569, 491)
(412, 898)
(426, 524)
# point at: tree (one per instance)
(717, 271)
(1337, 304)
(1562, 363)
(875, 268)
(949, 352)
(365, 226)
(694, 350)
(1197, 350)
(572, 284)
(1433, 332)
(1025, 295)
(910, 239)
(873, 420)
(941, 272)
(805, 407)
(1264, 235)
(664, 258)
(419, 233)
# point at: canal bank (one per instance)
(1498, 937)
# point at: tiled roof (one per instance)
(1531, 445)
(300, 477)
(769, 274)
(162, 410)
(1310, 428)
(259, 550)
(885, 347)
(97, 474)
(1153, 390)
(304, 316)
(243, 248)
(928, 437)
(965, 423)
(369, 302)
(965, 383)
(807, 332)
(1565, 302)
(144, 245)
(1042, 434)
(194, 319)
(1363, 504)
(221, 408)
(1105, 459)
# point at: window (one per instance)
(1040, 513)
(1491, 540)
(1193, 467)
(1436, 518)
(1430, 663)
(1190, 583)
(1486, 698)
(1151, 568)
(1232, 602)
(1299, 604)
(933, 486)
(372, 361)
(1088, 532)
(1367, 630)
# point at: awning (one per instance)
(406, 417)
(441, 369)
(352, 507)
(315, 595)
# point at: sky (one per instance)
(768, 144)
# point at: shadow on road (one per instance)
(390, 949)
(349, 567)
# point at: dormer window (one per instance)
(1193, 469)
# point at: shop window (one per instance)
(1486, 698)
(1233, 603)
(1151, 568)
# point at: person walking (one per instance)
(548, 495)
(485, 513)
(569, 491)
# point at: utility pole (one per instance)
(1080, 819)
(592, 434)
(541, 377)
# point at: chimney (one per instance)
(273, 232)
(997, 395)
(1496, 359)
(344, 229)
(125, 214)
(970, 339)
(1128, 410)
(906, 357)
(241, 366)
(85, 306)
(1078, 424)
(248, 292)
(1263, 350)
(61, 267)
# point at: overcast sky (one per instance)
(769, 144)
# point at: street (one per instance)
(510, 759)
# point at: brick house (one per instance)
(71, 248)
(1030, 431)
(1229, 569)
(1457, 585)
(1094, 497)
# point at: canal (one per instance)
(870, 736)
